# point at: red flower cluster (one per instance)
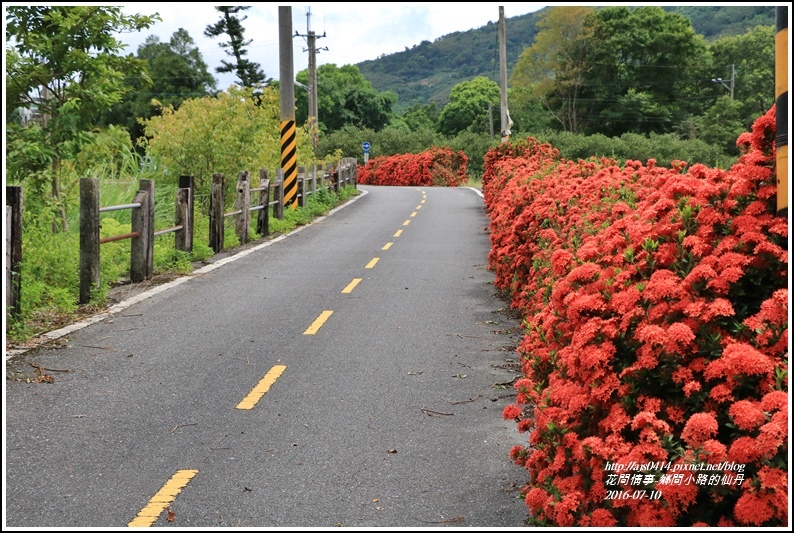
(656, 310)
(440, 167)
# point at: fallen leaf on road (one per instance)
(171, 514)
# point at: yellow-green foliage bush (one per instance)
(232, 132)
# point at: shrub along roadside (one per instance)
(656, 314)
(440, 167)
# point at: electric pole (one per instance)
(311, 39)
(289, 146)
(732, 80)
(506, 122)
(782, 111)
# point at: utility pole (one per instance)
(289, 146)
(732, 80)
(312, 110)
(506, 122)
(782, 110)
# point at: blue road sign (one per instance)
(365, 146)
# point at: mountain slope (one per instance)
(426, 73)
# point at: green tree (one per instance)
(750, 58)
(420, 117)
(345, 97)
(64, 62)
(722, 124)
(249, 73)
(467, 109)
(177, 72)
(652, 53)
(552, 71)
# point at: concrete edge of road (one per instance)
(117, 308)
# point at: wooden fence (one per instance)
(13, 248)
(330, 177)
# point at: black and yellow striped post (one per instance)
(289, 151)
(781, 107)
(289, 162)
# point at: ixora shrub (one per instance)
(655, 358)
(439, 167)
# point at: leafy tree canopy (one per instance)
(65, 63)
(552, 71)
(177, 72)
(468, 106)
(655, 54)
(750, 59)
(344, 96)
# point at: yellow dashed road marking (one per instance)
(163, 498)
(387, 246)
(318, 323)
(262, 387)
(413, 214)
(351, 286)
(372, 263)
(399, 232)
(406, 222)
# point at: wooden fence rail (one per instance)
(330, 177)
(141, 236)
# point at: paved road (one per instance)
(346, 375)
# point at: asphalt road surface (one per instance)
(352, 373)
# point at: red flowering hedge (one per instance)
(655, 303)
(439, 167)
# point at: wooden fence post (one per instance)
(216, 213)
(140, 246)
(89, 238)
(301, 186)
(148, 186)
(14, 197)
(182, 218)
(329, 175)
(278, 195)
(338, 176)
(313, 177)
(263, 217)
(188, 182)
(243, 203)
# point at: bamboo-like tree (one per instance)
(248, 72)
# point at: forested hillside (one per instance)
(426, 72)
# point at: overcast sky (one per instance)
(354, 32)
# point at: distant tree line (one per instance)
(597, 73)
